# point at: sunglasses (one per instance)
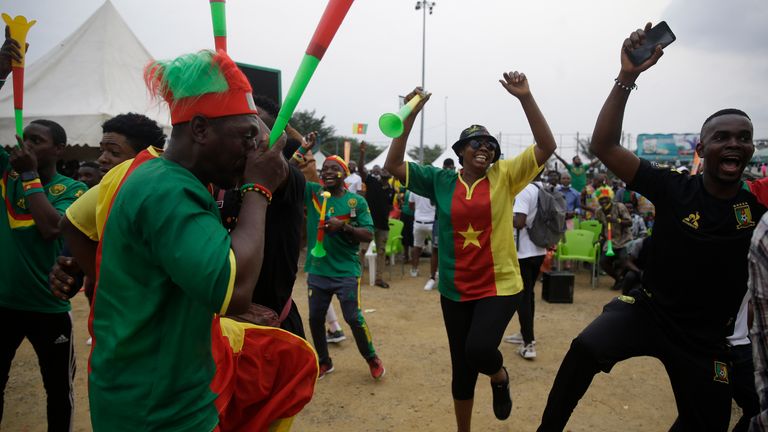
(490, 145)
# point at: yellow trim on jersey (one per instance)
(231, 283)
(407, 173)
(470, 189)
(13, 222)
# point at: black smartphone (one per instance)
(660, 34)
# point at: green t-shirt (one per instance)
(25, 257)
(578, 176)
(341, 258)
(166, 267)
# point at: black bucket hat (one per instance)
(472, 132)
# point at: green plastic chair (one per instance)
(395, 241)
(580, 246)
(593, 226)
(576, 222)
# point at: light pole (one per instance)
(423, 5)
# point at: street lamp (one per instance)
(423, 6)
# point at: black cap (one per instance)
(476, 131)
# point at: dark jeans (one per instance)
(625, 330)
(474, 332)
(529, 271)
(347, 290)
(51, 337)
(743, 384)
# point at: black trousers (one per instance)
(529, 271)
(51, 337)
(626, 329)
(474, 332)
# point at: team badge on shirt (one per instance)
(352, 203)
(692, 220)
(721, 372)
(57, 189)
(21, 203)
(743, 216)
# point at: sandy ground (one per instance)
(409, 336)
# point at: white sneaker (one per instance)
(516, 338)
(414, 272)
(429, 285)
(527, 352)
(89, 341)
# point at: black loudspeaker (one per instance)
(557, 287)
(265, 81)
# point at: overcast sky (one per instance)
(568, 49)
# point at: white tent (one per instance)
(319, 159)
(91, 76)
(448, 153)
(380, 159)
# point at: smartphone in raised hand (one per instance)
(660, 34)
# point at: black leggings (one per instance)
(474, 332)
(529, 271)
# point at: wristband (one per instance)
(298, 158)
(255, 187)
(623, 86)
(29, 176)
(32, 187)
(302, 150)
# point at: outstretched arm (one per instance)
(517, 85)
(395, 163)
(560, 159)
(607, 133)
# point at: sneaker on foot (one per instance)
(89, 341)
(414, 272)
(325, 368)
(429, 285)
(527, 352)
(377, 367)
(516, 338)
(502, 401)
(380, 283)
(335, 337)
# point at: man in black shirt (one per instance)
(696, 274)
(379, 194)
(282, 235)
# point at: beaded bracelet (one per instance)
(255, 187)
(623, 86)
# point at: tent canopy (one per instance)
(448, 153)
(91, 76)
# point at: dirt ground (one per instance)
(409, 336)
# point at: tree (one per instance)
(582, 147)
(327, 140)
(430, 153)
(307, 121)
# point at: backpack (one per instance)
(549, 224)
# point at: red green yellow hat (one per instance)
(604, 192)
(204, 83)
(341, 162)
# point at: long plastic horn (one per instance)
(391, 124)
(219, 18)
(326, 29)
(19, 27)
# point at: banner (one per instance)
(667, 147)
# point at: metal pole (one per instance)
(423, 65)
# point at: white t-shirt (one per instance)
(423, 210)
(354, 183)
(740, 334)
(525, 203)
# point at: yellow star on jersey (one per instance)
(471, 237)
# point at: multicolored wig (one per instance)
(604, 192)
(204, 83)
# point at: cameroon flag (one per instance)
(477, 256)
(359, 128)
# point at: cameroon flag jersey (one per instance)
(164, 268)
(477, 249)
(341, 258)
(25, 257)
